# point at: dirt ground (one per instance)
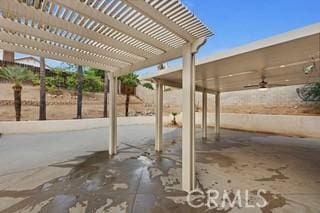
(60, 106)
(64, 106)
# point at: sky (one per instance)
(237, 22)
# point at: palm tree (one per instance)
(131, 80)
(106, 90)
(174, 121)
(79, 91)
(16, 75)
(42, 110)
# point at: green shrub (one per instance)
(71, 81)
(54, 90)
(35, 82)
(92, 83)
(51, 82)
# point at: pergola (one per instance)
(118, 36)
(279, 60)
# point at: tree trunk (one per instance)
(127, 104)
(106, 90)
(79, 91)
(17, 101)
(42, 110)
(174, 120)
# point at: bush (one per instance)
(35, 82)
(54, 90)
(71, 81)
(92, 83)
(51, 82)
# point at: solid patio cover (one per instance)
(280, 59)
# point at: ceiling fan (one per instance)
(263, 84)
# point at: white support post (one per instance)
(188, 124)
(159, 116)
(113, 115)
(204, 114)
(217, 114)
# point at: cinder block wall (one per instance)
(280, 100)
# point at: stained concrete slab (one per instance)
(72, 172)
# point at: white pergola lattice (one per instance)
(120, 36)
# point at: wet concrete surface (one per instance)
(141, 180)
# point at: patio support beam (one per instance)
(159, 116)
(217, 114)
(204, 114)
(188, 113)
(113, 115)
(188, 95)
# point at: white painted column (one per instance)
(113, 115)
(159, 116)
(217, 114)
(204, 114)
(188, 124)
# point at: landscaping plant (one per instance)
(17, 75)
(132, 80)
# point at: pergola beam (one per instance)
(179, 85)
(173, 54)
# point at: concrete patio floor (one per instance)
(72, 172)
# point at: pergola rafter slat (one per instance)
(12, 38)
(60, 57)
(21, 28)
(21, 10)
(111, 22)
(120, 35)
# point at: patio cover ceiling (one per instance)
(281, 59)
(120, 36)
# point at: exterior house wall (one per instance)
(8, 56)
(30, 61)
